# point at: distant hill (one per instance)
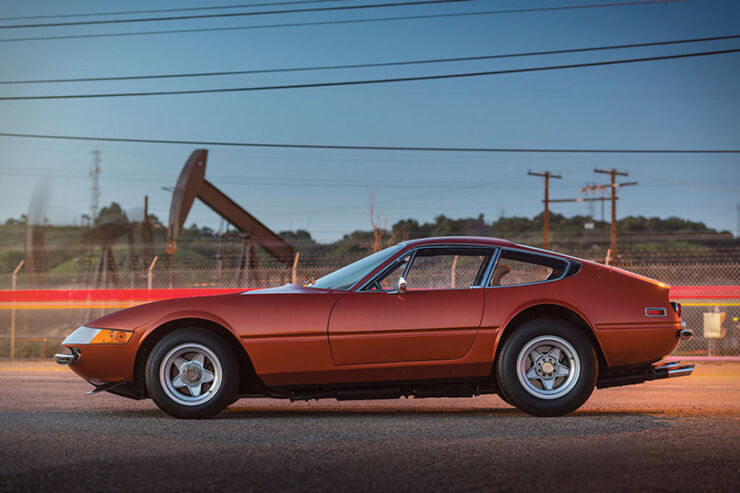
(72, 247)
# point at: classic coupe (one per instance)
(436, 317)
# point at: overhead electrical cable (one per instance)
(158, 11)
(368, 81)
(370, 65)
(342, 21)
(234, 14)
(377, 148)
(329, 182)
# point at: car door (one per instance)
(436, 318)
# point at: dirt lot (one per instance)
(673, 435)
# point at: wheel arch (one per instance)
(551, 310)
(249, 382)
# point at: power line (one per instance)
(377, 148)
(371, 65)
(341, 22)
(266, 182)
(158, 11)
(233, 14)
(368, 81)
(261, 180)
(686, 183)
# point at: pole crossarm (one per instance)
(583, 199)
(611, 172)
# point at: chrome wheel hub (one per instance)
(190, 374)
(548, 367)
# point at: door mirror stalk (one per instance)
(400, 288)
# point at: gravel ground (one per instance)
(673, 435)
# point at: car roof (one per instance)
(479, 240)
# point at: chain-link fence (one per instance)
(40, 326)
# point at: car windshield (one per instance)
(348, 276)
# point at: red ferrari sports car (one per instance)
(437, 317)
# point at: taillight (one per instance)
(655, 312)
(676, 308)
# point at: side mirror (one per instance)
(401, 288)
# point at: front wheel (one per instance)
(192, 373)
(547, 367)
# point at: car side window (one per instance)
(388, 280)
(447, 268)
(515, 268)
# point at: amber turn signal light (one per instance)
(111, 336)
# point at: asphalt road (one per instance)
(673, 435)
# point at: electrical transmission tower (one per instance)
(94, 186)
(591, 189)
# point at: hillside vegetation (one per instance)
(68, 248)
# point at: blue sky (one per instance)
(690, 103)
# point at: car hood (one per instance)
(239, 312)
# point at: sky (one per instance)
(673, 104)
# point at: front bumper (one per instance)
(656, 371)
(68, 358)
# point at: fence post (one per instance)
(43, 347)
(452, 275)
(295, 268)
(710, 342)
(150, 273)
(12, 310)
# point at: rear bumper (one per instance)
(685, 334)
(656, 371)
(670, 370)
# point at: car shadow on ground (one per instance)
(255, 424)
(604, 421)
(259, 412)
(237, 412)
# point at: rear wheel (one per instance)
(547, 367)
(192, 373)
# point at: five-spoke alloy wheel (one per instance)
(547, 367)
(192, 373)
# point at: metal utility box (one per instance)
(713, 325)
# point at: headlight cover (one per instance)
(91, 335)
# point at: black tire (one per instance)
(218, 359)
(504, 398)
(531, 395)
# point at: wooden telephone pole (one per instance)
(546, 175)
(613, 173)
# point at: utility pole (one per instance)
(546, 175)
(94, 186)
(613, 173)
